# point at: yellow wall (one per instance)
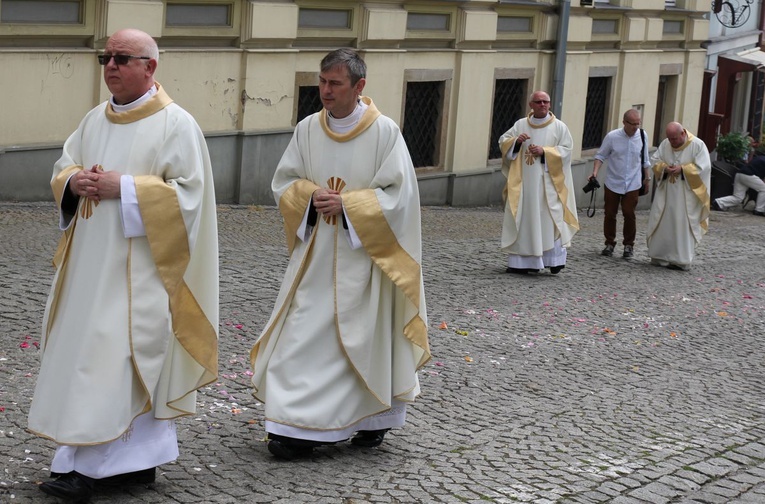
(45, 94)
(243, 77)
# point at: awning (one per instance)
(748, 60)
(754, 55)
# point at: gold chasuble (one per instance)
(131, 324)
(349, 328)
(540, 203)
(680, 210)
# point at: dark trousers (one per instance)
(628, 201)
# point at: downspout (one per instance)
(559, 73)
(761, 27)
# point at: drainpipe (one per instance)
(559, 73)
(761, 26)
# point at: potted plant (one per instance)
(733, 147)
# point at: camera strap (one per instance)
(591, 206)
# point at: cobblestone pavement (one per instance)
(614, 381)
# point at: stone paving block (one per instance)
(623, 499)
(739, 458)
(681, 484)
(644, 493)
(754, 450)
(715, 467)
(694, 476)
(708, 497)
(605, 380)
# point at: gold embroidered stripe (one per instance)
(512, 191)
(292, 206)
(381, 243)
(369, 117)
(168, 241)
(691, 173)
(555, 169)
(156, 103)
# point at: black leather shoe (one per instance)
(521, 271)
(714, 206)
(143, 477)
(71, 486)
(761, 214)
(556, 269)
(369, 438)
(284, 450)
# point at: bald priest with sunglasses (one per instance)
(540, 205)
(131, 324)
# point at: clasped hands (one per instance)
(327, 201)
(536, 150)
(95, 184)
(673, 169)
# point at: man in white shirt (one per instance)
(627, 169)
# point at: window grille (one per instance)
(309, 101)
(422, 112)
(509, 104)
(595, 112)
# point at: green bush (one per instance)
(733, 146)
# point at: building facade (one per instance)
(454, 74)
(734, 75)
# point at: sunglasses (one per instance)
(540, 102)
(119, 59)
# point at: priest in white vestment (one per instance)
(131, 323)
(680, 210)
(339, 356)
(540, 204)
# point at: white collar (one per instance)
(346, 124)
(135, 103)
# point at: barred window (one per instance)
(595, 112)
(509, 104)
(309, 101)
(422, 113)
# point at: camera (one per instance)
(592, 184)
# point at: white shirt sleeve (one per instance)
(350, 233)
(132, 222)
(304, 230)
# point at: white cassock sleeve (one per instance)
(304, 230)
(132, 222)
(353, 239)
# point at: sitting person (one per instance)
(749, 176)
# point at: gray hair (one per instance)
(538, 91)
(150, 49)
(348, 58)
